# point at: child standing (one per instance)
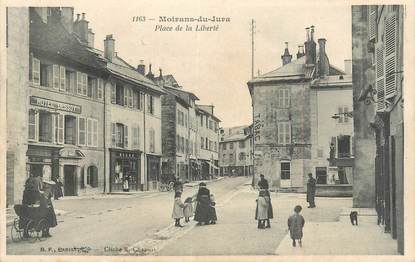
(295, 225)
(261, 213)
(188, 209)
(177, 209)
(213, 216)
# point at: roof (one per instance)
(53, 39)
(332, 81)
(200, 109)
(235, 133)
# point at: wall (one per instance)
(364, 139)
(16, 105)
(168, 125)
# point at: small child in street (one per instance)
(295, 225)
(213, 216)
(177, 209)
(188, 209)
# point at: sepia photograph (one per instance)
(193, 129)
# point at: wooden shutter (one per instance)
(100, 88)
(114, 134)
(288, 133)
(60, 128)
(125, 96)
(36, 71)
(62, 74)
(372, 22)
(391, 36)
(56, 77)
(84, 84)
(125, 136)
(89, 132)
(113, 94)
(280, 131)
(79, 83)
(81, 131)
(380, 78)
(95, 133)
(33, 125)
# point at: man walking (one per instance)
(311, 190)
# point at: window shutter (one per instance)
(372, 22)
(113, 94)
(287, 97)
(380, 78)
(81, 131)
(125, 96)
(84, 84)
(79, 83)
(141, 101)
(113, 134)
(391, 35)
(33, 124)
(135, 100)
(61, 135)
(280, 131)
(126, 136)
(89, 132)
(95, 133)
(62, 72)
(56, 77)
(351, 146)
(346, 117)
(36, 71)
(288, 133)
(334, 142)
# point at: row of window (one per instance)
(129, 97)
(65, 80)
(241, 145)
(242, 156)
(208, 123)
(184, 145)
(181, 118)
(56, 128)
(207, 144)
(120, 137)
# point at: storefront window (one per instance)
(285, 170)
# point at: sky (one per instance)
(217, 65)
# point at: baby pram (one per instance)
(31, 221)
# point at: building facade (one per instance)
(235, 151)
(87, 116)
(379, 126)
(287, 142)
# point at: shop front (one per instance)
(125, 170)
(43, 161)
(153, 171)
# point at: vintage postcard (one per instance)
(212, 130)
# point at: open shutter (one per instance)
(36, 71)
(372, 22)
(56, 77)
(126, 136)
(95, 133)
(62, 73)
(113, 94)
(380, 78)
(79, 83)
(113, 134)
(60, 124)
(126, 96)
(334, 143)
(100, 89)
(391, 36)
(89, 132)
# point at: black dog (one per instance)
(353, 218)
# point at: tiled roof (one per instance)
(53, 39)
(333, 81)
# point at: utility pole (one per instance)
(253, 47)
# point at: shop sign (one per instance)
(126, 155)
(52, 104)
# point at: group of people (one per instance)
(296, 221)
(205, 211)
(39, 192)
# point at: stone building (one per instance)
(286, 101)
(235, 151)
(67, 101)
(378, 114)
(179, 131)
(208, 136)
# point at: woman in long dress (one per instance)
(202, 214)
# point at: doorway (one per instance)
(69, 180)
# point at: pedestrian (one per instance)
(263, 183)
(213, 217)
(46, 202)
(261, 213)
(202, 213)
(32, 190)
(178, 185)
(177, 209)
(311, 190)
(188, 209)
(295, 225)
(58, 189)
(125, 184)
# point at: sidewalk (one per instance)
(340, 238)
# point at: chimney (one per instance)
(323, 64)
(348, 66)
(109, 47)
(310, 47)
(91, 38)
(286, 57)
(141, 68)
(161, 73)
(300, 52)
(150, 74)
(81, 28)
(67, 18)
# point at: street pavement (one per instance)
(141, 224)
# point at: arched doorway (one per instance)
(92, 176)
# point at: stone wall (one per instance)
(168, 136)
